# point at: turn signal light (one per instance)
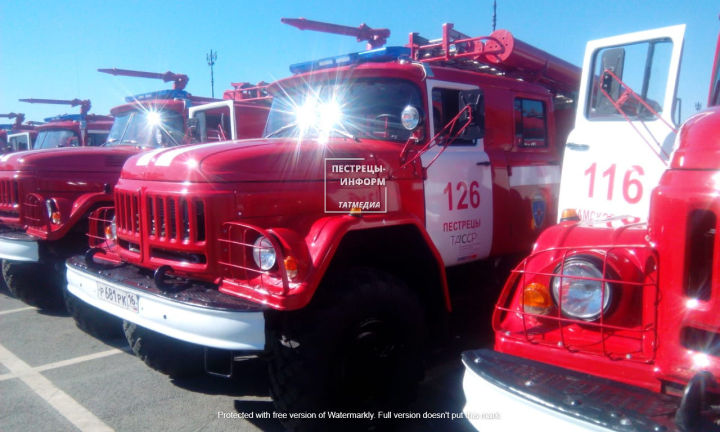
(55, 217)
(291, 267)
(569, 215)
(536, 298)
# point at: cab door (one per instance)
(20, 141)
(618, 149)
(216, 121)
(458, 189)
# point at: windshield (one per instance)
(56, 138)
(147, 129)
(361, 108)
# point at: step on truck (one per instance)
(325, 243)
(46, 195)
(19, 135)
(612, 324)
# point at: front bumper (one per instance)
(505, 392)
(198, 314)
(16, 245)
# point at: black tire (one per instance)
(360, 349)
(38, 284)
(92, 320)
(172, 357)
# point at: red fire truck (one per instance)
(326, 242)
(612, 324)
(46, 196)
(71, 130)
(19, 135)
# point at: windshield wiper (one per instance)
(281, 129)
(347, 135)
(291, 125)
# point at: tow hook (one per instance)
(159, 279)
(689, 416)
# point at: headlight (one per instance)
(582, 298)
(264, 253)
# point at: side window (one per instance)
(447, 104)
(19, 142)
(95, 139)
(643, 67)
(530, 123)
(214, 124)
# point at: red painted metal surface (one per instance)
(500, 51)
(275, 186)
(86, 130)
(80, 179)
(664, 327)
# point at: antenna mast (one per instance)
(494, 21)
(211, 57)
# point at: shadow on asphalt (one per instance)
(249, 379)
(474, 290)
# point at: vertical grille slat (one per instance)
(183, 222)
(199, 221)
(172, 219)
(9, 198)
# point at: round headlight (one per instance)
(410, 117)
(582, 288)
(264, 253)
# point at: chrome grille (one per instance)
(173, 218)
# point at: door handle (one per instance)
(578, 147)
(483, 163)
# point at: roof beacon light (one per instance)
(373, 56)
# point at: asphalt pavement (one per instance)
(55, 377)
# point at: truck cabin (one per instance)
(73, 130)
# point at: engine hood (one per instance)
(275, 159)
(73, 159)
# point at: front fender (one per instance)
(315, 253)
(71, 214)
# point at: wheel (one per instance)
(358, 349)
(92, 320)
(170, 356)
(38, 284)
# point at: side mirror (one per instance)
(411, 117)
(473, 99)
(193, 128)
(612, 59)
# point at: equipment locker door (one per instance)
(614, 157)
(458, 189)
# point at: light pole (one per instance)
(211, 57)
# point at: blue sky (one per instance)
(51, 49)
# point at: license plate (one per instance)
(118, 297)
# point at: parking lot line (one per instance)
(62, 363)
(16, 310)
(65, 405)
